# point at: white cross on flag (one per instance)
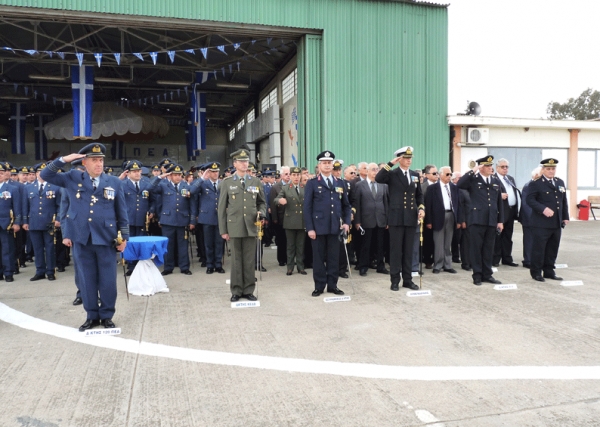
(198, 138)
(82, 84)
(18, 113)
(41, 142)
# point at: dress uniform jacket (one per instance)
(293, 218)
(238, 208)
(42, 209)
(323, 206)
(541, 195)
(486, 200)
(175, 208)
(405, 197)
(10, 200)
(208, 203)
(138, 204)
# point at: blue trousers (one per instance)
(213, 243)
(326, 253)
(177, 241)
(43, 249)
(7, 248)
(98, 277)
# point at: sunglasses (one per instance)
(352, 173)
(448, 174)
(433, 173)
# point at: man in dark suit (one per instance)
(441, 215)
(511, 197)
(371, 200)
(326, 212)
(525, 219)
(550, 213)
(430, 176)
(277, 215)
(97, 213)
(485, 217)
(405, 210)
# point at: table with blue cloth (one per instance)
(149, 251)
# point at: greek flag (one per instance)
(41, 142)
(82, 83)
(18, 113)
(116, 150)
(203, 76)
(198, 112)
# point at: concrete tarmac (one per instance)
(464, 356)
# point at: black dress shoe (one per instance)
(316, 293)
(429, 266)
(526, 265)
(167, 272)
(60, 269)
(220, 270)
(9, 279)
(410, 285)
(281, 264)
(302, 272)
(496, 264)
(129, 273)
(289, 273)
(210, 270)
(77, 301)
(1, 276)
(249, 297)
(456, 260)
(356, 268)
(203, 264)
(16, 271)
(510, 264)
(363, 272)
(383, 271)
(436, 271)
(234, 298)
(450, 270)
(37, 277)
(477, 282)
(336, 291)
(51, 277)
(395, 287)
(263, 269)
(539, 278)
(108, 323)
(343, 275)
(186, 272)
(89, 324)
(553, 277)
(492, 280)
(466, 267)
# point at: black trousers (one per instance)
(401, 250)
(326, 252)
(543, 257)
(504, 244)
(428, 248)
(200, 245)
(465, 256)
(281, 243)
(527, 245)
(481, 242)
(372, 236)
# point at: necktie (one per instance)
(137, 188)
(297, 191)
(373, 190)
(449, 196)
(243, 184)
(487, 181)
(215, 186)
(94, 183)
(552, 182)
(41, 189)
(176, 188)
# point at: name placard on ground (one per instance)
(99, 332)
(561, 266)
(337, 299)
(505, 287)
(494, 269)
(228, 282)
(415, 274)
(245, 304)
(418, 293)
(571, 283)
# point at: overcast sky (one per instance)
(515, 56)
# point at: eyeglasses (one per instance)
(374, 169)
(433, 173)
(352, 173)
(503, 167)
(448, 174)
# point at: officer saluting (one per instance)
(97, 212)
(43, 203)
(241, 200)
(548, 200)
(326, 212)
(208, 219)
(10, 222)
(485, 217)
(405, 209)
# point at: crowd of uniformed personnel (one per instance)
(363, 215)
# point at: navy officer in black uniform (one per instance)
(485, 217)
(326, 213)
(406, 209)
(97, 212)
(547, 198)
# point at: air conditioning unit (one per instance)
(478, 136)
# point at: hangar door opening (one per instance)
(202, 89)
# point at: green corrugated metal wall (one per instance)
(384, 63)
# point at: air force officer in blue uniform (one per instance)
(43, 204)
(97, 212)
(208, 218)
(11, 214)
(326, 212)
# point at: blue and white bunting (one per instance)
(153, 55)
(98, 57)
(203, 76)
(49, 53)
(236, 46)
(222, 49)
(61, 55)
(192, 51)
(31, 51)
(139, 56)
(82, 84)
(41, 142)
(204, 51)
(18, 114)
(79, 56)
(118, 58)
(171, 54)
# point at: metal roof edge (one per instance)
(465, 120)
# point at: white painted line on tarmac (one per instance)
(360, 370)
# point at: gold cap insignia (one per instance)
(135, 165)
(214, 166)
(43, 165)
(489, 159)
(409, 151)
(551, 161)
(243, 154)
(177, 169)
(96, 149)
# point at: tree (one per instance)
(585, 107)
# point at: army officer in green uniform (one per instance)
(241, 200)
